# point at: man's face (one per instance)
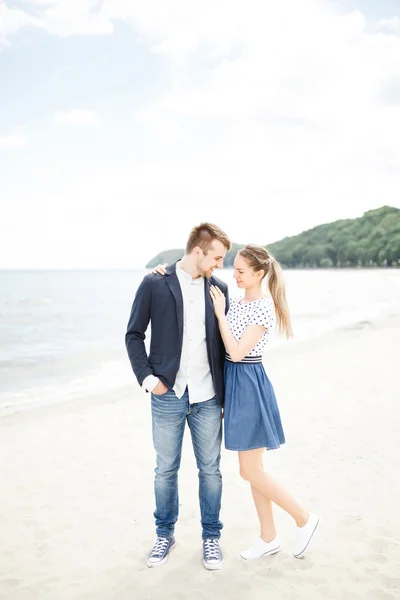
(214, 259)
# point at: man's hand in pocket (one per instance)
(160, 389)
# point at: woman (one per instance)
(252, 420)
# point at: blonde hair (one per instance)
(203, 236)
(260, 259)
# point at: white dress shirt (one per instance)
(194, 369)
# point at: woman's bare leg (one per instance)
(265, 515)
(252, 469)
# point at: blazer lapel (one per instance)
(210, 315)
(174, 286)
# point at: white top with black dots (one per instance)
(258, 312)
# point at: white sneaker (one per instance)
(261, 549)
(304, 535)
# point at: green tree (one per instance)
(325, 262)
(370, 239)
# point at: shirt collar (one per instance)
(184, 276)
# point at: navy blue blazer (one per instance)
(159, 300)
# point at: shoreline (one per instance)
(279, 344)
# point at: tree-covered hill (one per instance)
(371, 240)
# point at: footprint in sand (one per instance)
(9, 583)
(380, 545)
(382, 559)
(380, 595)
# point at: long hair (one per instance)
(260, 259)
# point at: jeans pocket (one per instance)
(213, 403)
(167, 395)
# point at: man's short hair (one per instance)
(204, 235)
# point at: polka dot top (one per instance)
(258, 312)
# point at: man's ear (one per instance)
(197, 251)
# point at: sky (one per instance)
(125, 123)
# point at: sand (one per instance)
(77, 489)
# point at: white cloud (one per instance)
(75, 17)
(178, 27)
(389, 25)
(165, 127)
(59, 17)
(276, 117)
(81, 117)
(298, 110)
(12, 141)
(12, 20)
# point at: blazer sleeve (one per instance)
(221, 343)
(226, 292)
(135, 334)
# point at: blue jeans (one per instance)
(169, 416)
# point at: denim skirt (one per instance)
(251, 413)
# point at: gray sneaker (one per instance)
(159, 554)
(212, 555)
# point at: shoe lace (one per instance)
(160, 547)
(211, 549)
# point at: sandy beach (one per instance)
(77, 489)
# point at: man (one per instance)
(184, 372)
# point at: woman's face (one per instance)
(245, 276)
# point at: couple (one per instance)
(205, 354)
